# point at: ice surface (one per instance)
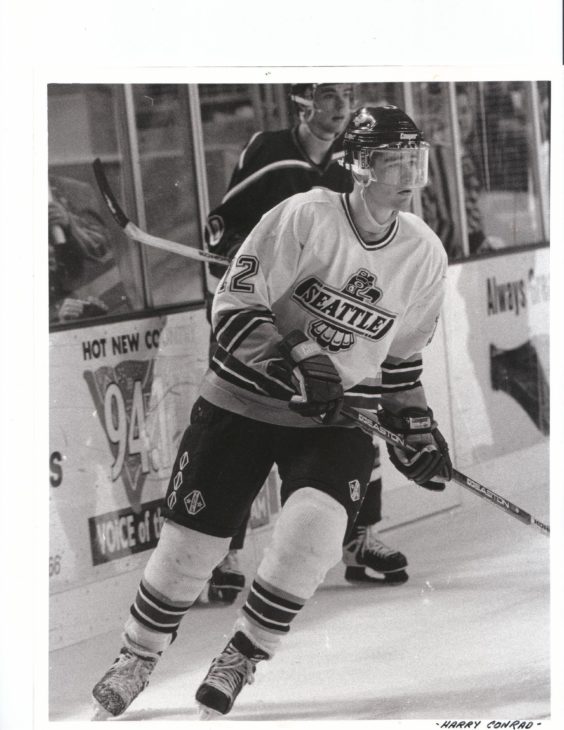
(466, 637)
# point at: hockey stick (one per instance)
(137, 234)
(371, 423)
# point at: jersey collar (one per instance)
(387, 236)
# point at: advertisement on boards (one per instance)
(496, 321)
(120, 398)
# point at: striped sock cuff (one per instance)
(271, 609)
(155, 613)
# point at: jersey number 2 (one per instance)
(249, 267)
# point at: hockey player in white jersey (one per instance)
(272, 167)
(331, 299)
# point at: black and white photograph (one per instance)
(292, 347)
(299, 400)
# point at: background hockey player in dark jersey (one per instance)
(272, 167)
(275, 165)
(332, 298)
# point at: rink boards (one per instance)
(120, 398)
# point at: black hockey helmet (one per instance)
(300, 93)
(384, 143)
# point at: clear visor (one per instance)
(404, 168)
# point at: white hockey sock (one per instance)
(306, 543)
(173, 578)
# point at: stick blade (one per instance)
(109, 198)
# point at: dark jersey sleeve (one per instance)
(245, 202)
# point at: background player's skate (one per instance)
(226, 583)
(369, 560)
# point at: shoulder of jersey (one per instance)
(309, 205)
(269, 145)
(314, 197)
(421, 229)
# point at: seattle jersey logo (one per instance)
(344, 313)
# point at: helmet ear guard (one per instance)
(302, 97)
(362, 177)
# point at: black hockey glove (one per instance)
(430, 466)
(312, 374)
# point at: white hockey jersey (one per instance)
(371, 306)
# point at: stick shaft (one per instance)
(370, 422)
(137, 234)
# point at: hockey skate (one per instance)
(229, 673)
(125, 679)
(365, 556)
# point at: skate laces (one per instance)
(368, 542)
(131, 671)
(230, 670)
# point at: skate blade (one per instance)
(357, 575)
(390, 577)
(99, 713)
(206, 713)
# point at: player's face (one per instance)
(400, 168)
(389, 196)
(395, 175)
(331, 109)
